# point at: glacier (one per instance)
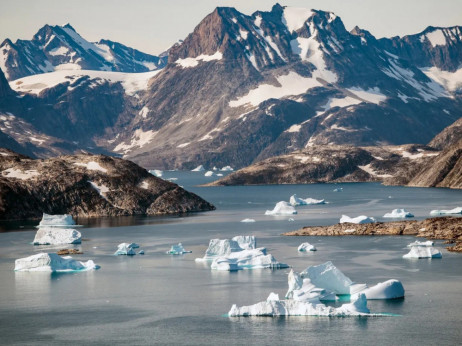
(51, 262)
(54, 236)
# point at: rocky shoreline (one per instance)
(448, 228)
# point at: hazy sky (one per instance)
(153, 25)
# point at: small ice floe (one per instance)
(199, 168)
(177, 250)
(423, 252)
(219, 175)
(214, 168)
(398, 214)
(247, 259)
(54, 236)
(291, 219)
(222, 247)
(421, 243)
(295, 201)
(457, 210)
(358, 220)
(51, 262)
(282, 208)
(338, 189)
(156, 172)
(304, 247)
(227, 169)
(141, 252)
(208, 174)
(126, 249)
(248, 220)
(56, 220)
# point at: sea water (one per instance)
(163, 299)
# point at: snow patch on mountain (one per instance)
(294, 17)
(193, 62)
(372, 95)
(436, 38)
(451, 81)
(139, 139)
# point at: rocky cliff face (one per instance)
(449, 136)
(86, 185)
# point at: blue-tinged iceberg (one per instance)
(126, 249)
(247, 259)
(423, 252)
(51, 262)
(304, 247)
(177, 250)
(398, 214)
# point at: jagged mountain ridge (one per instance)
(62, 48)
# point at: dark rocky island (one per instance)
(448, 228)
(86, 185)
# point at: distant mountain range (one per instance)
(237, 90)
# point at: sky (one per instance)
(154, 25)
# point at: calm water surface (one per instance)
(161, 299)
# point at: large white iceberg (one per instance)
(223, 247)
(290, 307)
(282, 208)
(53, 236)
(294, 200)
(457, 210)
(390, 289)
(306, 247)
(126, 249)
(51, 262)
(247, 259)
(208, 174)
(199, 168)
(358, 220)
(177, 250)
(56, 220)
(423, 252)
(398, 214)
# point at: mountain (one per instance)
(241, 88)
(86, 185)
(62, 48)
(449, 136)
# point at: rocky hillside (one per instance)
(449, 228)
(86, 185)
(62, 48)
(449, 136)
(322, 164)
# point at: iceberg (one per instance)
(306, 247)
(272, 307)
(177, 250)
(358, 220)
(282, 208)
(223, 247)
(53, 236)
(457, 210)
(390, 289)
(51, 262)
(423, 252)
(247, 259)
(208, 174)
(199, 168)
(56, 220)
(338, 189)
(248, 220)
(227, 169)
(421, 243)
(294, 200)
(398, 214)
(141, 252)
(156, 172)
(126, 249)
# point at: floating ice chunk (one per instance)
(306, 247)
(199, 168)
(358, 220)
(214, 168)
(51, 262)
(208, 174)
(423, 252)
(398, 213)
(177, 250)
(294, 200)
(248, 220)
(292, 307)
(457, 210)
(126, 249)
(247, 259)
(133, 245)
(246, 242)
(220, 247)
(227, 169)
(390, 289)
(282, 208)
(141, 252)
(52, 236)
(421, 243)
(291, 220)
(156, 172)
(56, 220)
(338, 189)
(219, 175)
